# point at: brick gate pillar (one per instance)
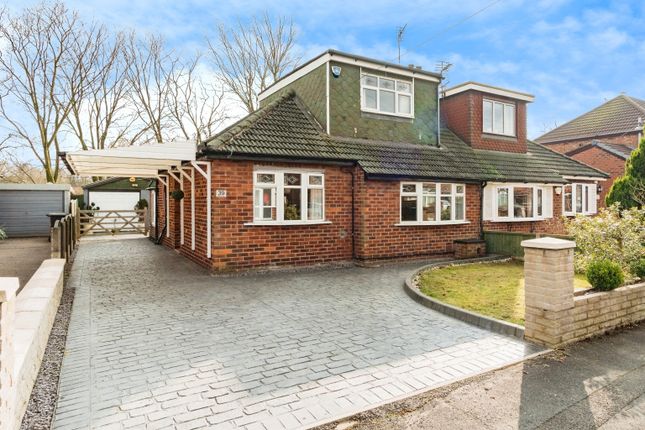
(548, 289)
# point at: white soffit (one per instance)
(141, 161)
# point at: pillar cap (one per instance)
(548, 243)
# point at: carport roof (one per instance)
(143, 161)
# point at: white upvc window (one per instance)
(387, 96)
(518, 202)
(433, 203)
(288, 196)
(579, 199)
(498, 118)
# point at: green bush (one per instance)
(3, 235)
(605, 275)
(612, 235)
(141, 204)
(638, 268)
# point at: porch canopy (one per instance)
(143, 161)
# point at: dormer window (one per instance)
(387, 96)
(499, 118)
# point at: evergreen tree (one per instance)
(629, 189)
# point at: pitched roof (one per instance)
(620, 151)
(285, 129)
(618, 115)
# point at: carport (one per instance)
(162, 161)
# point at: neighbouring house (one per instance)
(350, 158)
(602, 138)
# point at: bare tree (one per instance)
(42, 65)
(101, 116)
(251, 57)
(150, 76)
(195, 103)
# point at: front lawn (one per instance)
(492, 289)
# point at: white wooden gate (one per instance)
(114, 222)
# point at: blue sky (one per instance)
(572, 55)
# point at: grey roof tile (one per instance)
(284, 128)
(618, 115)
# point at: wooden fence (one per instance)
(65, 234)
(509, 243)
(111, 222)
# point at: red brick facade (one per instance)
(238, 245)
(379, 236)
(629, 139)
(463, 114)
(605, 161)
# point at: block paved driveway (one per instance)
(156, 342)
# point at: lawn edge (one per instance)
(470, 317)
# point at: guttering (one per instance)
(585, 178)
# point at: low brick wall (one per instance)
(599, 312)
(26, 325)
(554, 317)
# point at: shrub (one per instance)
(141, 204)
(638, 268)
(3, 235)
(611, 235)
(605, 275)
(177, 194)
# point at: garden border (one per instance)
(474, 318)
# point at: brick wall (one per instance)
(239, 246)
(199, 254)
(553, 316)
(463, 114)
(608, 163)
(629, 139)
(378, 212)
(171, 240)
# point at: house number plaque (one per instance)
(220, 193)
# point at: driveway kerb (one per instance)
(470, 317)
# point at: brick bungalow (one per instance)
(349, 158)
(603, 138)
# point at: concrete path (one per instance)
(598, 384)
(156, 342)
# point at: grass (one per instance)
(492, 289)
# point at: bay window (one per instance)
(386, 95)
(432, 203)
(579, 199)
(288, 196)
(498, 118)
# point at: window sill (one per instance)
(388, 114)
(284, 223)
(429, 223)
(508, 137)
(518, 219)
(573, 214)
